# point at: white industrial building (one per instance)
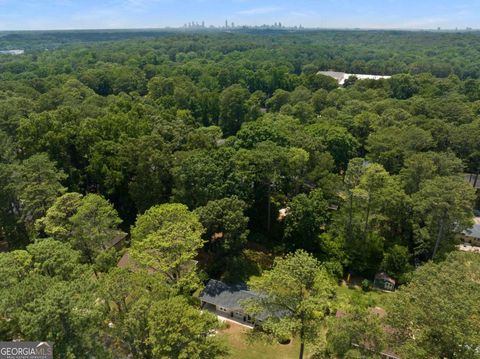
(341, 77)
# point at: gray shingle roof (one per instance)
(385, 277)
(225, 295)
(473, 232)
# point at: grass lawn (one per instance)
(240, 348)
(373, 298)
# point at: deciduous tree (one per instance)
(427, 318)
(166, 238)
(443, 206)
(177, 330)
(294, 297)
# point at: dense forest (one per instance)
(225, 155)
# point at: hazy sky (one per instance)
(88, 14)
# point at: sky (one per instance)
(115, 14)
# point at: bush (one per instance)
(284, 340)
(365, 285)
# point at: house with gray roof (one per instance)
(472, 235)
(225, 300)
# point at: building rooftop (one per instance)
(473, 232)
(119, 237)
(228, 296)
(341, 77)
(12, 52)
(385, 277)
(473, 179)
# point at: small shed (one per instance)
(384, 282)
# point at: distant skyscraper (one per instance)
(233, 25)
(226, 24)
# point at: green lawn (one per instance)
(241, 348)
(374, 298)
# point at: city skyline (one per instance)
(113, 14)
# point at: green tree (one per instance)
(150, 164)
(51, 295)
(10, 230)
(201, 176)
(233, 108)
(95, 223)
(389, 146)
(129, 296)
(166, 238)
(359, 327)
(430, 324)
(225, 224)
(396, 262)
(443, 207)
(279, 99)
(319, 100)
(338, 141)
(160, 86)
(177, 330)
(307, 215)
(88, 223)
(375, 210)
(382, 194)
(317, 81)
(54, 258)
(294, 296)
(403, 86)
(356, 168)
(57, 221)
(424, 166)
(37, 183)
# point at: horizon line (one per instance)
(247, 27)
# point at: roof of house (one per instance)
(127, 262)
(385, 277)
(119, 236)
(473, 232)
(227, 296)
(473, 179)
